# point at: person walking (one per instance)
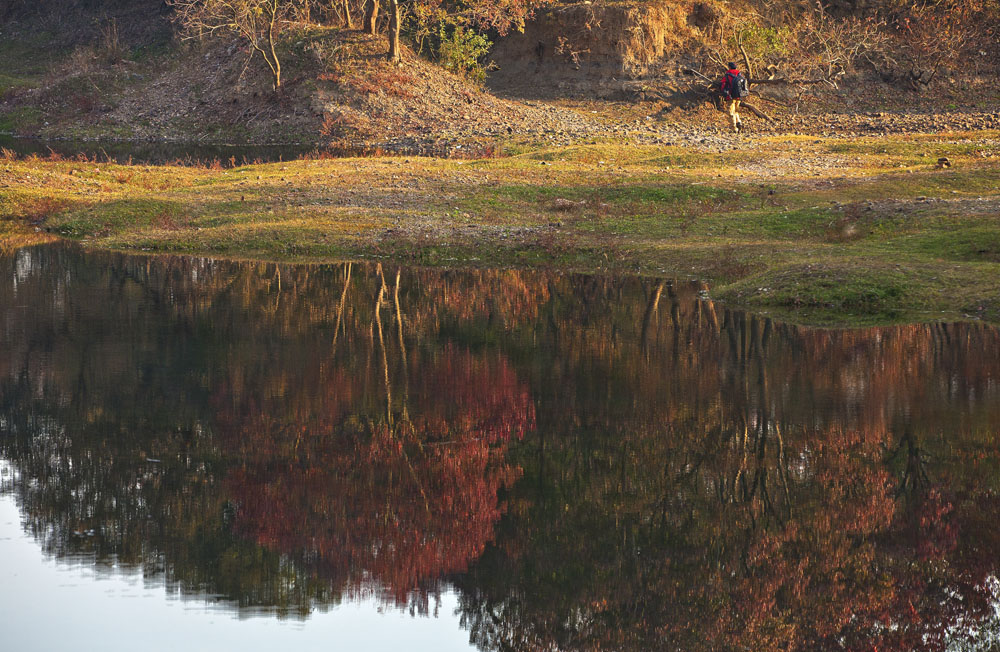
(734, 88)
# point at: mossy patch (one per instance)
(621, 193)
(114, 217)
(976, 244)
(844, 289)
(986, 308)
(23, 118)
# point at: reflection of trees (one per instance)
(368, 501)
(380, 466)
(698, 478)
(745, 495)
(265, 396)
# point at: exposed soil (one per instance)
(340, 92)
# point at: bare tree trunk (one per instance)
(346, 8)
(267, 46)
(394, 55)
(343, 302)
(746, 57)
(271, 41)
(371, 16)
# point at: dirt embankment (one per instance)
(580, 72)
(644, 51)
(338, 91)
(589, 49)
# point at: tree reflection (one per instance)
(380, 503)
(370, 466)
(811, 490)
(595, 463)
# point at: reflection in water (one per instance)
(153, 153)
(399, 497)
(593, 463)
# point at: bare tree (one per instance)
(937, 36)
(371, 16)
(345, 10)
(394, 21)
(258, 23)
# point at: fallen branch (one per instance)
(788, 82)
(757, 112)
(692, 71)
(783, 105)
(644, 91)
(768, 82)
(796, 82)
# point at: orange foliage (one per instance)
(376, 503)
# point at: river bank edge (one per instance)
(836, 232)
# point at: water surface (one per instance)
(158, 153)
(351, 455)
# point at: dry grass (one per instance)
(659, 210)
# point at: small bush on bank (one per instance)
(463, 52)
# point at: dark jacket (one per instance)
(728, 86)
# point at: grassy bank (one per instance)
(831, 231)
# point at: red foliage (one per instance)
(380, 503)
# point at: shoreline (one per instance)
(838, 231)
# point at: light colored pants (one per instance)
(733, 108)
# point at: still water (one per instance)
(212, 454)
(158, 153)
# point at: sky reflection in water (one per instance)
(116, 609)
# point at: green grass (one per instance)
(869, 245)
(28, 60)
(19, 118)
(10, 83)
(970, 243)
(872, 291)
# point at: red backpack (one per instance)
(734, 85)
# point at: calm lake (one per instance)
(202, 454)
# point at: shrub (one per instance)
(935, 37)
(463, 51)
(110, 45)
(765, 44)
